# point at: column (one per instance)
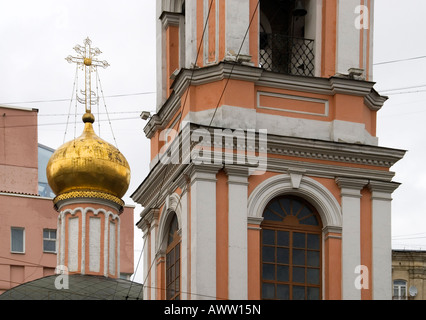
(237, 232)
(152, 268)
(184, 251)
(203, 231)
(382, 238)
(351, 240)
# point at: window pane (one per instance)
(282, 273)
(296, 207)
(313, 293)
(268, 215)
(268, 237)
(268, 291)
(313, 276)
(298, 293)
(310, 221)
(177, 249)
(313, 258)
(298, 240)
(49, 245)
(395, 292)
(282, 238)
(177, 284)
(268, 254)
(299, 274)
(17, 239)
(285, 203)
(282, 255)
(177, 269)
(45, 233)
(268, 271)
(276, 209)
(304, 212)
(298, 257)
(283, 292)
(313, 241)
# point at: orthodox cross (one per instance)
(86, 60)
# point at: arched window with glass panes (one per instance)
(173, 261)
(291, 250)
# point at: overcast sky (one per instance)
(37, 36)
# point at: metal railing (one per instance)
(289, 55)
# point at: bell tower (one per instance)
(266, 172)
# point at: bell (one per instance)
(299, 10)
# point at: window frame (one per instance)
(49, 239)
(399, 286)
(23, 240)
(291, 227)
(172, 246)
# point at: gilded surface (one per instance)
(88, 163)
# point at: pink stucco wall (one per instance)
(18, 150)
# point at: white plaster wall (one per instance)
(111, 255)
(382, 246)
(73, 244)
(348, 37)
(203, 235)
(237, 250)
(242, 118)
(237, 21)
(351, 242)
(94, 244)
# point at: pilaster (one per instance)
(351, 234)
(203, 231)
(237, 231)
(382, 238)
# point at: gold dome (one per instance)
(88, 167)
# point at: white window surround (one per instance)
(49, 238)
(314, 192)
(23, 239)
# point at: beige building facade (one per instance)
(409, 274)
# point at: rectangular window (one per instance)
(49, 240)
(17, 240)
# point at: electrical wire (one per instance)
(400, 60)
(223, 91)
(183, 105)
(62, 100)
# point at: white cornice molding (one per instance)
(170, 18)
(260, 77)
(351, 183)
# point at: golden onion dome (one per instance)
(88, 167)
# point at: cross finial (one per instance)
(85, 59)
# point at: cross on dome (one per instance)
(85, 59)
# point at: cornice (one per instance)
(260, 77)
(170, 18)
(334, 151)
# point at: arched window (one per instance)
(173, 261)
(290, 250)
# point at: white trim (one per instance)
(203, 233)
(314, 192)
(294, 97)
(23, 239)
(237, 233)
